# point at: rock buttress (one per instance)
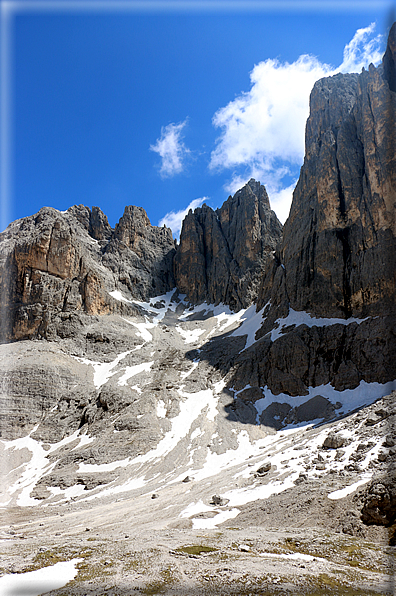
(223, 253)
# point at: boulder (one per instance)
(378, 501)
(264, 469)
(334, 441)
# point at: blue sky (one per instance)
(163, 104)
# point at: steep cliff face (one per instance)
(339, 240)
(223, 253)
(54, 264)
(337, 254)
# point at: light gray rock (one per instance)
(334, 441)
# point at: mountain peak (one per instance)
(253, 188)
(222, 253)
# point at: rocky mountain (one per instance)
(56, 266)
(336, 260)
(243, 379)
(223, 254)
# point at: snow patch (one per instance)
(84, 440)
(294, 556)
(216, 462)
(38, 465)
(218, 387)
(189, 335)
(168, 304)
(131, 484)
(195, 508)
(241, 496)
(131, 371)
(213, 522)
(184, 375)
(344, 492)
(118, 296)
(251, 323)
(104, 467)
(301, 317)
(68, 493)
(161, 409)
(364, 394)
(190, 409)
(103, 370)
(143, 329)
(37, 582)
(196, 433)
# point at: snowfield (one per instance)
(198, 442)
(37, 582)
(173, 459)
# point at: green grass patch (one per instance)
(196, 549)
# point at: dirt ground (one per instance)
(138, 546)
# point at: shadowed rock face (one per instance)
(389, 60)
(141, 255)
(54, 264)
(223, 253)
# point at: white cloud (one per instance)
(263, 130)
(174, 219)
(362, 50)
(267, 122)
(281, 199)
(171, 149)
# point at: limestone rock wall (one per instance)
(53, 264)
(141, 255)
(337, 257)
(339, 241)
(303, 357)
(223, 253)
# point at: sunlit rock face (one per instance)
(55, 266)
(223, 253)
(339, 241)
(337, 255)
